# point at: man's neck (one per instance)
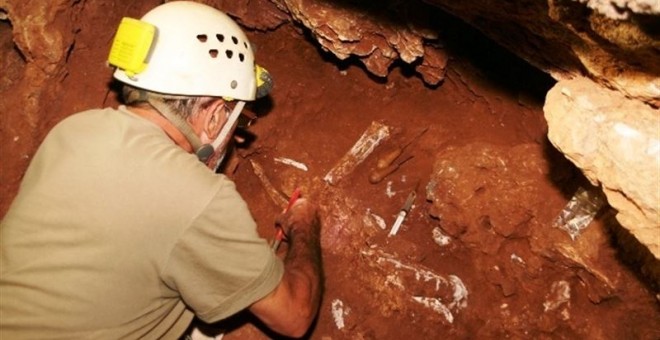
(167, 126)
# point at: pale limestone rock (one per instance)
(621, 9)
(616, 143)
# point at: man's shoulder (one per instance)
(96, 113)
(90, 119)
(92, 112)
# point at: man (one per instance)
(119, 231)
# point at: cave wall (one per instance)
(51, 48)
(603, 112)
(617, 47)
(613, 44)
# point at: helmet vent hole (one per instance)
(220, 37)
(202, 38)
(246, 45)
(213, 53)
(229, 54)
(235, 40)
(241, 57)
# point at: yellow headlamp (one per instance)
(131, 46)
(264, 81)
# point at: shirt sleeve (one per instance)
(220, 265)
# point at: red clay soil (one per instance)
(477, 257)
(497, 242)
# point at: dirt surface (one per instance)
(488, 264)
(477, 256)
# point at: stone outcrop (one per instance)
(378, 35)
(616, 143)
(611, 42)
(570, 38)
(42, 37)
(489, 179)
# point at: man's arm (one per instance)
(292, 306)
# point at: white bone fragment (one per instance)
(380, 222)
(388, 190)
(459, 294)
(560, 293)
(439, 237)
(291, 162)
(517, 259)
(436, 305)
(338, 313)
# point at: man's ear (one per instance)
(214, 118)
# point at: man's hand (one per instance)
(301, 215)
(292, 306)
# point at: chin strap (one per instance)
(226, 129)
(231, 121)
(203, 151)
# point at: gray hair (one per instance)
(184, 106)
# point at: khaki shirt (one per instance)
(117, 232)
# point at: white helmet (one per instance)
(197, 51)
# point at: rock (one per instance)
(43, 35)
(612, 40)
(565, 38)
(497, 276)
(377, 35)
(258, 14)
(493, 180)
(509, 188)
(622, 9)
(616, 143)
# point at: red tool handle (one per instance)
(294, 197)
(279, 234)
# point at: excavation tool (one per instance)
(403, 212)
(379, 174)
(389, 157)
(386, 163)
(279, 234)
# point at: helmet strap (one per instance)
(226, 129)
(203, 151)
(231, 121)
